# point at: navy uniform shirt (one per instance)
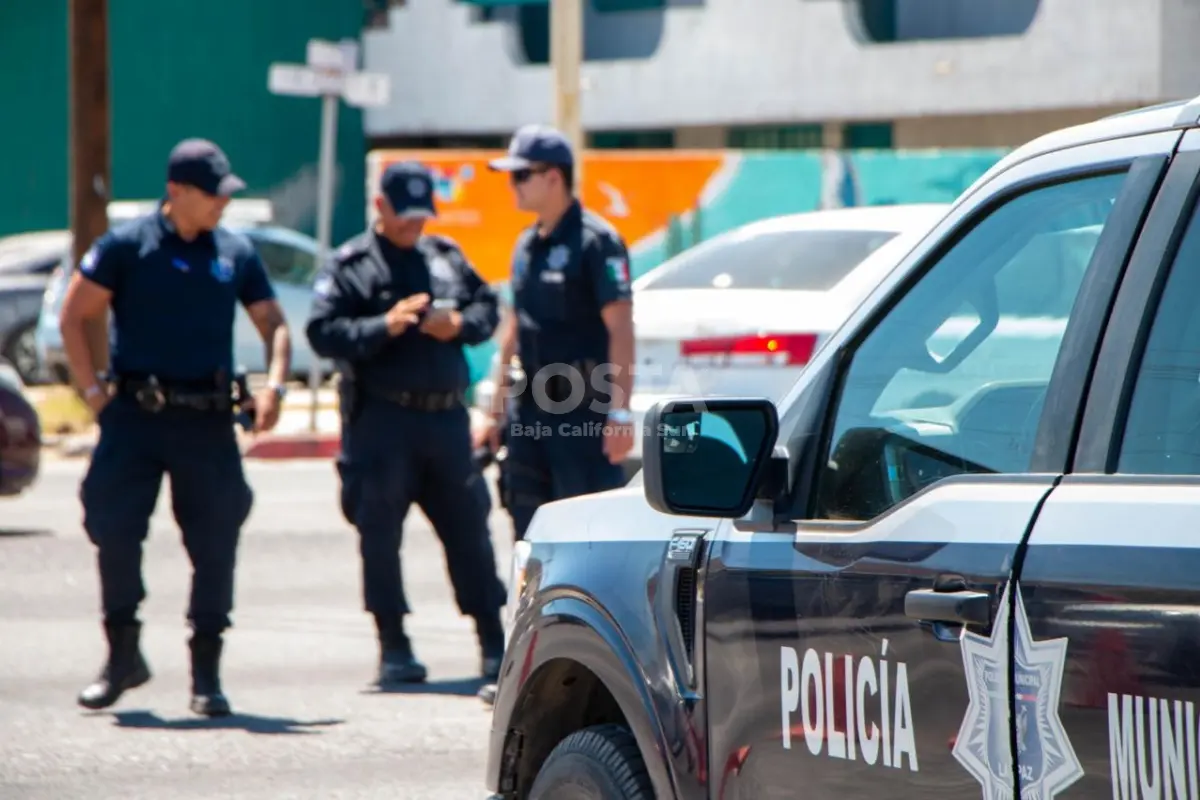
(173, 301)
(560, 283)
(368, 276)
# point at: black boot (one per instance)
(397, 664)
(490, 630)
(126, 668)
(207, 697)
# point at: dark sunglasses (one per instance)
(518, 176)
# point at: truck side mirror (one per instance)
(707, 457)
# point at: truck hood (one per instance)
(619, 515)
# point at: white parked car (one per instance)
(742, 313)
(290, 259)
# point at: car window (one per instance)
(952, 379)
(1162, 431)
(285, 263)
(812, 260)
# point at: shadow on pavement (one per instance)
(20, 532)
(462, 687)
(250, 723)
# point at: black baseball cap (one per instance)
(535, 144)
(408, 187)
(200, 163)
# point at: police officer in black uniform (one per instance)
(394, 310)
(173, 280)
(572, 331)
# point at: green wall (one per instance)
(179, 69)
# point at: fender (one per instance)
(570, 627)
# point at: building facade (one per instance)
(781, 73)
(178, 69)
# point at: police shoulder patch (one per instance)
(323, 285)
(618, 270)
(87, 264)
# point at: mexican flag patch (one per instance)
(618, 270)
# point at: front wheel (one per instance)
(21, 352)
(597, 763)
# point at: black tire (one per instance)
(597, 763)
(21, 352)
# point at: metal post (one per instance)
(566, 55)
(329, 114)
(90, 135)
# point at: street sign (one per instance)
(366, 89)
(330, 72)
(298, 80)
(330, 68)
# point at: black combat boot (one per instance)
(397, 664)
(207, 698)
(126, 668)
(490, 630)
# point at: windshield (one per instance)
(807, 260)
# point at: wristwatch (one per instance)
(620, 416)
(279, 389)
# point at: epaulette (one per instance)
(444, 244)
(351, 252)
(599, 224)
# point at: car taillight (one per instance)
(781, 349)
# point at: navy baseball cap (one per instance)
(535, 144)
(200, 163)
(408, 187)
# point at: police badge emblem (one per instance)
(558, 257)
(222, 269)
(1045, 760)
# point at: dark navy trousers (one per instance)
(209, 496)
(553, 457)
(393, 457)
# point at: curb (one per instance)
(283, 446)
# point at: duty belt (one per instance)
(154, 396)
(421, 401)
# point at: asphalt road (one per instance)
(296, 670)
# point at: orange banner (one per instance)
(637, 191)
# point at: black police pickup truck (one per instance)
(961, 561)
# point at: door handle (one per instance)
(967, 608)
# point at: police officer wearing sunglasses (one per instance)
(394, 310)
(173, 281)
(571, 330)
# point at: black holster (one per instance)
(349, 400)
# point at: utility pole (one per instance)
(566, 56)
(89, 137)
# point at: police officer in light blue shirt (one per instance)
(394, 310)
(173, 280)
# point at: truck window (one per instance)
(1162, 431)
(952, 380)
